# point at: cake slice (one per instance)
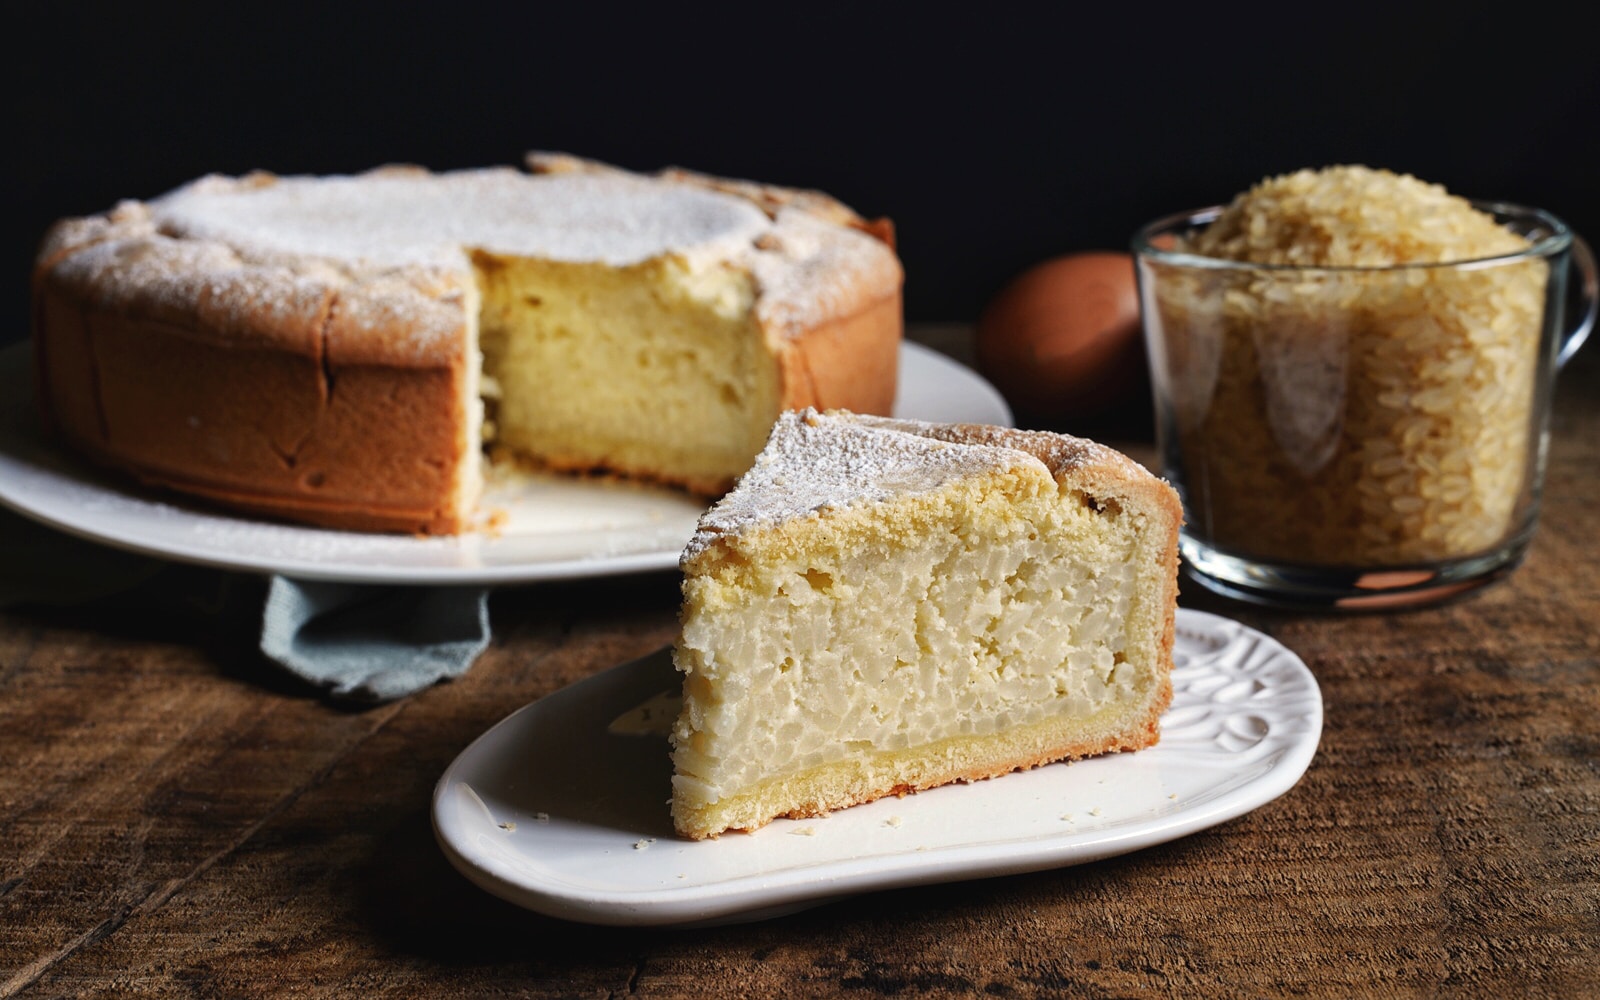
(882, 606)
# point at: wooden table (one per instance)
(177, 819)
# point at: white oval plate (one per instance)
(562, 807)
(555, 527)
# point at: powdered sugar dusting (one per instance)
(809, 268)
(408, 233)
(815, 461)
(392, 218)
(1059, 452)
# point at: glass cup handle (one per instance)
(1584, 258)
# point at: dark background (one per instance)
(992, 138)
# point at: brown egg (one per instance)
(1063, 340)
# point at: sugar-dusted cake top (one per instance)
(395, 245)
(817, 460)
(814, 461)
(399, 216)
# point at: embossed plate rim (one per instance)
(1244, 726)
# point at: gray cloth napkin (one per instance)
(373, 643)
(356, 642)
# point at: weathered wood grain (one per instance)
(177, 820)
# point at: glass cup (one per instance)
(1358, 437)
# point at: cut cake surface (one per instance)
(882, 606)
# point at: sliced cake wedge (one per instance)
(883, 606)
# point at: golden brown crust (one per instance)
(342, 514)
(66, 378)
(273, 421)
(849, 363)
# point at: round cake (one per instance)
(341, 350)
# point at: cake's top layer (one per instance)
(399, 216)
(393, 247)
(815, 461)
